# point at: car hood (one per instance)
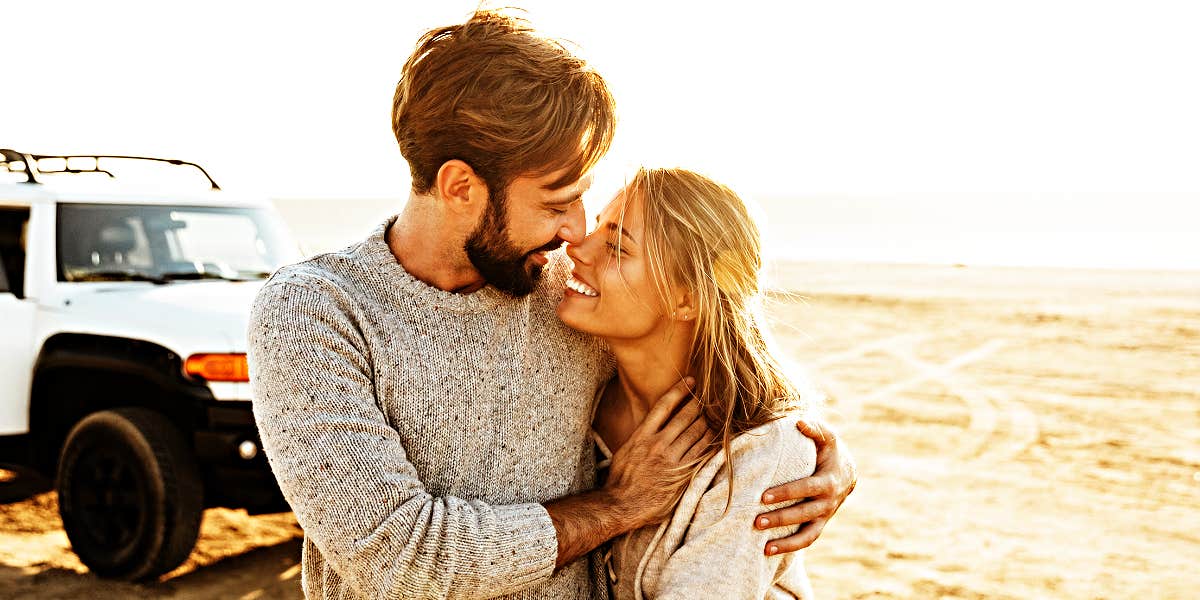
(186, 317)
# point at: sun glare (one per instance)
(796, 104)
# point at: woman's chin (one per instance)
(571, 317)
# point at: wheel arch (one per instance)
(76, 374)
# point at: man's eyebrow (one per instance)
(584, 185)
(574, 197)
(564, 201)
(613, 227)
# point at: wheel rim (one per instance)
(109, 498)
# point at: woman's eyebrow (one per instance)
(613, 227)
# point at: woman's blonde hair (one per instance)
(700, 237)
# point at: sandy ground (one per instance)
(1020, 433)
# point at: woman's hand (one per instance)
(639, 477)
(820, 494)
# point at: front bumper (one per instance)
(232, 477)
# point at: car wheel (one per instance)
(129, 493)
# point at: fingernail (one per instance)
(689, 380)
(772, 550)
(768, 498)
(763, 522)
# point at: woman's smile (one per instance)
(611, 292)
(580, 287)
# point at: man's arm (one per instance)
(820, 495)
(345, 472)
(636, 492)
(708, 533)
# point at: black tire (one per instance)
(129, 493)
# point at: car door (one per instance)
(16, 327)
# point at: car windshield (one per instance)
(128, 242)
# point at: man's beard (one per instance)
(501, 263)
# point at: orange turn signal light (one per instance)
(218, 367)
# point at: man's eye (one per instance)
(558, 211)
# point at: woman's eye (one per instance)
(612, 248)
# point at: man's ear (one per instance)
(459, 188)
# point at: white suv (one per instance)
(122, 352)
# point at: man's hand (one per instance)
(639, 490)
(640, 476)
(820, 495)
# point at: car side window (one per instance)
(12, 252)
(3, 276)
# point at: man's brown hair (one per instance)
(496, 95)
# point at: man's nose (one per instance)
(578, 252)
(574, 226)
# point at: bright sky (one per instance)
(1047, 101)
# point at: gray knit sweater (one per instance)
(415, 432)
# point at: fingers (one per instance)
(797, 541)
(816, 431)
(797, 514)
(688, 438)
(835, 464)
(697, 449)
(666, 405)
(809, 487)
(681, 421)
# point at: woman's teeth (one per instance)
(582, 287)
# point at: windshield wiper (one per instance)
(118, 276)
(182, 275)
(163, 278)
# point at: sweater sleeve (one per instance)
(722, 552)
(345, 473)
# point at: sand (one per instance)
(1020, 433)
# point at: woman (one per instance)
(670, 279)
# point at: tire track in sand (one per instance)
(1000, 428)
(849, 404)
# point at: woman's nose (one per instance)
(578, 252)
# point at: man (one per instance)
(423, 409)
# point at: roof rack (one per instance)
(32, 171)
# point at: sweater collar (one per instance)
(376, 253)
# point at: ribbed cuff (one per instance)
(527, 541)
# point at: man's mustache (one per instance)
(554, 244)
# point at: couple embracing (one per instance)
(457, 407)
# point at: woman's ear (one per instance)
(459, 188)
(685, 309)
